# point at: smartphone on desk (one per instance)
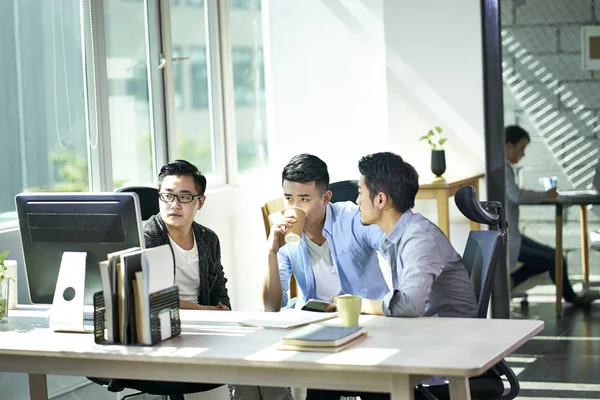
(316, 305)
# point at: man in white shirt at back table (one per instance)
(536, 258)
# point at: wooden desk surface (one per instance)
(215, 348)
(429, 181)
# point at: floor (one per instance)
(563, 361)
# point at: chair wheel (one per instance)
(524, 303)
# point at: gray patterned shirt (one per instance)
(428, 275)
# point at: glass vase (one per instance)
(3, 301)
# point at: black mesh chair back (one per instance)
(344, 191)
(148, 197)
(480, 259)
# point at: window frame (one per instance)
(161, 92)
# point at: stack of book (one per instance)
(326, 338)
(139, 303)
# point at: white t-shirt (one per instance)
(326, 274)
(187, 271)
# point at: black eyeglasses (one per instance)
(182, 198)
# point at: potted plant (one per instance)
(438, 156)
(3, 289)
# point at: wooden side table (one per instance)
(441, 189)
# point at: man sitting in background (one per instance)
(535, 257)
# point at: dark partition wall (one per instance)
(494, 137)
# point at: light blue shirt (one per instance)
(353, 249)
(428, 275)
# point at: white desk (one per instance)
(395, 356)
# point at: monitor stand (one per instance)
(66, 314)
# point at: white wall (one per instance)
(353, 77)
(325, 82)
(434, 75)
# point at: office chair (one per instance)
(167, 390)
(344, 191)
(148, 197)
(481, 259)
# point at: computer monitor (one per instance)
(95, 223)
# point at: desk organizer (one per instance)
(163, 304)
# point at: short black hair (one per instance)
(306, 168)
(389, 173)
(514, 133)
(183, 168)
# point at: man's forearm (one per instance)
(371, 306)
(272, 293)
(188, 305)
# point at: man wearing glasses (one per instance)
(198, 273)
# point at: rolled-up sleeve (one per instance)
(417, 266)
(285, 274)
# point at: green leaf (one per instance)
(442, 141)
(3, 256)
(430, 133)
(424, 137)
(437, 128)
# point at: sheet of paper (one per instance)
(159, 268)
(288, 319)
(165, 324)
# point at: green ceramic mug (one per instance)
(349, 307)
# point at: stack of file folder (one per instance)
(139, 303)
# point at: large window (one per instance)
(128, 94)
(198, 77)
(178, 78)
(192, 136)
(43, 132)
(88, 103)
(248, 84)
(248, 75)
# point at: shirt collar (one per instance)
(398, 230)
(327, 227)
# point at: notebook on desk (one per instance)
(322, 338)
